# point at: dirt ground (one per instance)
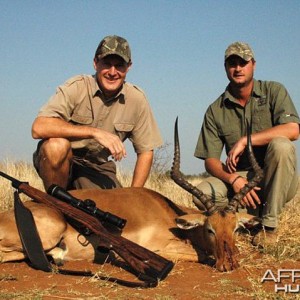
(185, 281)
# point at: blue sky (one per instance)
(177, 48)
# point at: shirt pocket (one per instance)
(123, 130)
(229, 137)
(81, 120)
(262, 118)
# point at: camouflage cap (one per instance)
(116, 45)
(240, 49)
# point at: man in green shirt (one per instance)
(275, 124)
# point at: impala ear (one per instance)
(190, 221)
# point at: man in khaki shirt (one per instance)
(88, 119)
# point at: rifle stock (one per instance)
(143, 261)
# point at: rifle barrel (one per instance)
(15, 183)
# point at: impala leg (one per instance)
(11, 256)
(181, 256)
(177, 251)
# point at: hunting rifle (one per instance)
(145, 264)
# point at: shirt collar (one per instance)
(97, 91)
(257, 92)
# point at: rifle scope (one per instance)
(88, 206)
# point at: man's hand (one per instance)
(234, 154)
(251, 199)
(112, 142)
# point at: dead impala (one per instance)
(153, 221)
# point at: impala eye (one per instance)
(210, 231)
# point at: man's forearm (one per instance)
(217, 169)
(288, 130)
(142, 169)
(50, 127)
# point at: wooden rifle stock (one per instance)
(144, 262)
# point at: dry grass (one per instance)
(20, 170)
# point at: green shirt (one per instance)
(224, 121)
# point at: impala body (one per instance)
(153, 222)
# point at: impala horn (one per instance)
(177, 176)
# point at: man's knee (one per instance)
(55, 151)
(281, 149)
(214, 189)
(281, 146)
(205, 187)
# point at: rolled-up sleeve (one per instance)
(284, 110)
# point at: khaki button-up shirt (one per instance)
(225, 120)
(128, 115)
